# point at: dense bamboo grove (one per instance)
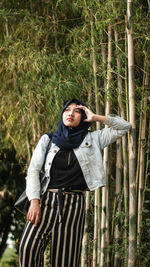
(99, 52)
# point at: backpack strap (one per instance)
(50, 135)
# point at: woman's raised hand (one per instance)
(90, 115)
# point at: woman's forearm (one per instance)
(99, 118)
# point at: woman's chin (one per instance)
(70, 124)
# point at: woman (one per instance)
(73, 165)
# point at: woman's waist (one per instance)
(67, 190)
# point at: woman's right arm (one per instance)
(117, 126)
(32, 180)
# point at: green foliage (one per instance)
(12, 183)
(10, 258)
(144, 249)
(45, 59)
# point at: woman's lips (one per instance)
(69, 119)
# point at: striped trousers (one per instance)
(62, 228)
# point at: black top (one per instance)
(66, 172)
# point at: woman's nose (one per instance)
(71, 112)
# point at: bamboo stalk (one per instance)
(132, 140)
(103, 227)
(124, 150)
(117, 235)
(94, 65)
(147, 163)
(97, 103)
(104, 59)
(95, 242)
(125, 166)
(99, 229)
(84, 258)
(107, 156)
(104, 259)
(6, 27)
(126, 195)
(142, 153)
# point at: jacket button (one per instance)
(86, 144)
(49, 163)
(55, 151)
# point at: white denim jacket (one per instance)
(88, 154)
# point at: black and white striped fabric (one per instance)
(63, 231)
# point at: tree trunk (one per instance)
(104, 260)
(6, 231)
(117, 235)
(125, 142)
(84, 258)
(142, 152)
(97, 104)
(132, 141)
(124, 146)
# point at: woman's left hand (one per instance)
(90, 115)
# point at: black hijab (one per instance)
(66, 138)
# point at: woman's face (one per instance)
(71, 116)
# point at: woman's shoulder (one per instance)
(92, 134)
(44, 139)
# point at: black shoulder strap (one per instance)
(50, 135)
